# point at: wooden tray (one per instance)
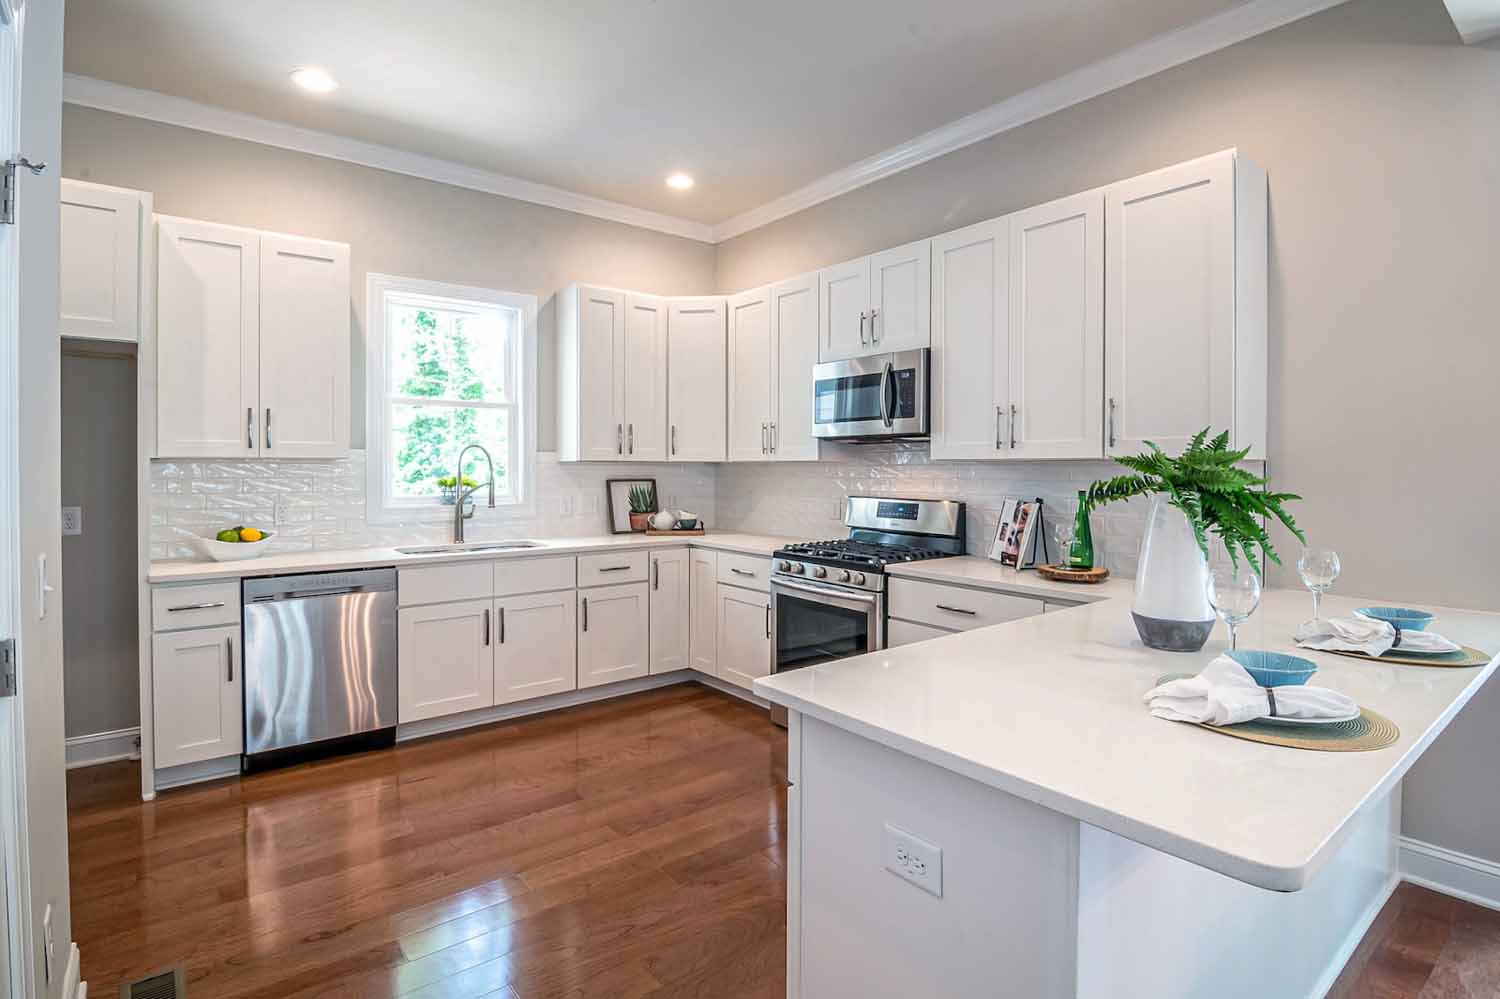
(696, 532)
(1466, 657)
(1062, 574)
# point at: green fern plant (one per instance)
(1215, 495)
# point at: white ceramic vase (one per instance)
(1171, 608)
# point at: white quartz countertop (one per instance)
(976, 572)
(193, 570)
(1050, 709)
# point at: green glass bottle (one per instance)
(1081, 551)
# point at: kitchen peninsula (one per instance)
(1070, 843)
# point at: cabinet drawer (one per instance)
(956, 608)
(534, 575)
(898, 633)
(436, 584)
(745, 570)
(201, 605)
(607, 570)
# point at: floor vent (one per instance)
(168, 984)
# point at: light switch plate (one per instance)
(72, 521)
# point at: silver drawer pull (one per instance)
(958, 610)
(188, 607)
(741, 572)
(229, 648)
(614, 568)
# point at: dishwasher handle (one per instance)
(322, 584)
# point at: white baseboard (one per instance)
(195, 773)
(103, 747)
(1472, 879)
(725, 687)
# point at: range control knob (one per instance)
(798, 568)
(784, 566)
(859, 579)
(843, 575)
(819, 572)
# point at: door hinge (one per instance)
(7, 667)
(8, 195)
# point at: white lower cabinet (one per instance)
(536, 648)
(898, 633)
(744, 635)
(669, 611)
(703, 610)
(446, 663)
(613, 633)
(195, 685)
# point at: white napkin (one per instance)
(1224, 694)
(1367, 635)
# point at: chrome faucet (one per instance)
(458, 478)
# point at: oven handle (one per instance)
(887, 391)
(867, 599)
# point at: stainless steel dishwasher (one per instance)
(320, 665)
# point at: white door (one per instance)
(1057, 329)
(844, 311)
(744, 650)
(696, 358)
(645, 378)
(601, 374)
(750, 375)
(195, 686)
(613, 633)
(447, 659)
(1169, 327)
(971, 341)
(208, 340)
(669, 610)
(794, 352)
(703, 609)
(900, 297)
(304, 348)
(536, 645)
(100, 263)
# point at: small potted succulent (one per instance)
(642, 506)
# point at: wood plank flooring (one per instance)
(1425, 946)
(631, 849)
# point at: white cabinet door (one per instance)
(844, 310)
(100, 263)
(696, 361)
(613, 633)
(536, 645)
(900, 297)
(1170, 304)
(750, 375)
(1057, 329)
(669, 610)
(446, 662)
(208, 340)
(971, 341)
(703, 609)
(645, 378)
(794, 351)
(196, 700)
(744, 646)
(304, 348)
(599, 341)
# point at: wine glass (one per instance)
(1234, 593)
(1318, 567)
(1062, 533)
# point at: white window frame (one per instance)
(380, 506)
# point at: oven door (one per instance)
(876, 397)
(814, 623)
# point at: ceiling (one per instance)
(754, 98)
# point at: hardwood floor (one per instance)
(631, 849)
(1425, 946)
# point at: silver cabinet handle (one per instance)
(768, 620)
(656, 574)
(1111, 421)
(862, 341)
(619, 438)
(502, 625)
(764, 443)
(486, 626)
(189, 607)
(585, 613)
(630, 437)
(1012, 428)
(999, 439)
(229, 648)
(774, 437)
(742, 572)
(268, 428)
(873, 338)
(957, 610)
(250, 427)
(614, 568)
(674, 439)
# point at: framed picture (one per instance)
(631, 504)
(1015, 535)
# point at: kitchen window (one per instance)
(447, 366)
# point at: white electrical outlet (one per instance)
(72, 521)
(913, 859)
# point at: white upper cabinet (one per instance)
(208, 340)
(645, 390)
(1057, 329)
(971, 341)
(900, 286)
(99, 277)
(304, 347)
(1186, 305)
(696, 363)
(591, 374)
(750, 375)
(844, 310)
(794, 351)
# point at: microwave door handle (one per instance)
(887, 395)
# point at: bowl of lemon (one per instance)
(235, 543)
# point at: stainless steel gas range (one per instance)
(828, 598)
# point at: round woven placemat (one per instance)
(1465, 658)
(1368, 731)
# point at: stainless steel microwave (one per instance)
(873, 398)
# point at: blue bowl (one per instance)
(1405, 618)
(1273, 669)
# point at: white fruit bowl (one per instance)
(233, 551)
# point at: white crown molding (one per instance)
(114, 97)
(1136, 63)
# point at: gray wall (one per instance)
(100, 656)
(1380, 135)
(394, 224)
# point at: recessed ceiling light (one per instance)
(314, 79)
(680, 182)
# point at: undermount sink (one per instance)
(476, 546)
